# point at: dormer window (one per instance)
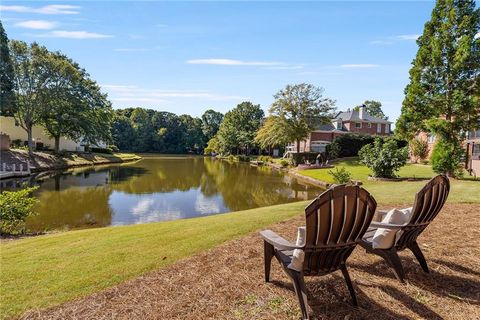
(339, 125)
(358, 124)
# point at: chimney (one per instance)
(362, 112)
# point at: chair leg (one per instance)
(349, 284)
(413, 246)
(301, 291)
(394, 261)
(268, 252)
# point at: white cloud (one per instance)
(359, 65)
(75, 35)
(134, 94)
(231, 62)
(36, 24)
(50, 9)
(286, 67)
(408, 37)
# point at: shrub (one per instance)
(302, 157)
(419, 148)
(15, 208)
(384, 157)
(340, 176)
(265, 158)
(348, 145)
(243, 158)
(284, 163)
(446, 158)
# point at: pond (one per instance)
(157, 188)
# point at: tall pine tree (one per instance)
(442, 96)
(6, 76)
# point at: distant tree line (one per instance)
(146, 130)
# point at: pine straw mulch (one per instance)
(226, 282)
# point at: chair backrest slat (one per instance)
(428, 203)
(336, 220)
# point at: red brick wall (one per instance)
(365, 129)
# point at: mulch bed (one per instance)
(226, 282)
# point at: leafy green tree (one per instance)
(374, 108)
(212, 146)
(193, 137)
(299, 109)
(211, 121)
(7, 102)
(29, 79)
(122, 132)
(272, 133)
(383, 157)
(73, 105)
(442, 160)
(239, 127)
(442, 96)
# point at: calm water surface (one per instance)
(158, 189)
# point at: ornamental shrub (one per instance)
(341, 176)
(419, 148)
(15, 208)
(383, 157)
(446, 158)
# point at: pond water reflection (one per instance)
(158, 189)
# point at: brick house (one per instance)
(350, 121)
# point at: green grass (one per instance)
(462, 191)
(43, 271)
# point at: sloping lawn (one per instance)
(44, 271)
(462, 191)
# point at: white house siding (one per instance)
(7, 125)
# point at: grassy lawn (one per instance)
(462, 191)
(43, 271)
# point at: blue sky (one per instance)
(186, 57)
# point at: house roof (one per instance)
(354, 116)
(329, 127)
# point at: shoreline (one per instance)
(46, 161)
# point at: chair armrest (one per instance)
(386, 225)
(277, 241)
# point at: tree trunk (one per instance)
(30, 138)
(298, 146)
(57, 144)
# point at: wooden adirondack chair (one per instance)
(335, 222)
(428, 203)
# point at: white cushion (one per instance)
(298, 254)
(385, 238)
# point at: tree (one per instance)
(239, 127)
(299, 109)
(211, 121)
(73, 105)
(193, 137)
(374, 108)
(442, 96)
(7, 103)
(272, 133)
(29, 79)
